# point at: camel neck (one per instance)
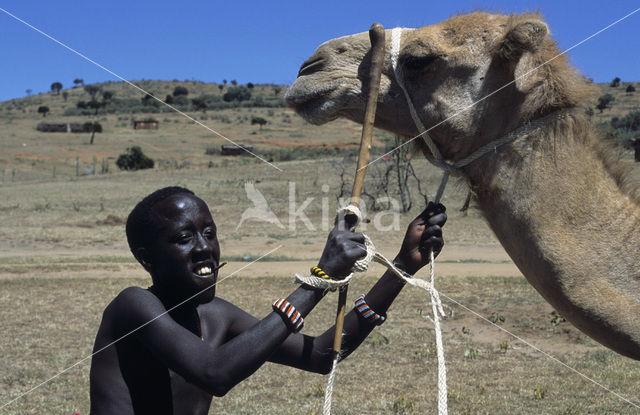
(568, 225)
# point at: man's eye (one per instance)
(210, 233)
(184, 238)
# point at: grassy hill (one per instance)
(181, 142)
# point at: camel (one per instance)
(563, 209)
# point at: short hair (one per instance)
(141, 226)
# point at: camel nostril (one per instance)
(311, 65)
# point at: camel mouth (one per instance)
(316, 105)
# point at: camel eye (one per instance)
(418, 63)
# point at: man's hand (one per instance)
(342, 250)
(424, 234)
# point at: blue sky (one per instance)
(261, 41)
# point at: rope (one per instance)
(328, 392)
(362, 265)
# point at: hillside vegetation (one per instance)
(245, 114)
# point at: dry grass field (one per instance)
(63, 257)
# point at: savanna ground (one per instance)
(63, 257)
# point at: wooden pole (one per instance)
(376, 35)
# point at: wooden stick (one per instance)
(376, 35)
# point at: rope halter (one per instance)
(437, 159)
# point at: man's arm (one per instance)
(315, 354)
(213, 368)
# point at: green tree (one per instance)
(134, 159)
(615, 83)
(169, 99)
(220, 87)
(94, 127)
(180, 90)
(250, 85)
(95, 105)
(92, 90)
(604, 102)
(29, 91)
(56, 87)
(107, 95)
(77, 82)
(630, 88)
(234, 82)
(43, 109)
(258, 120)
(65, 95)
(224, 81)
(237, 93)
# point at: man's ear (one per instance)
(525, 36)
(143, 257)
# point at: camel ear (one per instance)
(526, 36)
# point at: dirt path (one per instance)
(457, 260)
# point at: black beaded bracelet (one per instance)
(291, 316)
(365, 311)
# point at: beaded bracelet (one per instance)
(318, 272)
(291, 316)
(365, 311)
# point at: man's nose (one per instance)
(202, 244)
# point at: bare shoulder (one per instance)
(227, 314)
(136, 303)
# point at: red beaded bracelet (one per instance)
(291, 316)
(365, 311)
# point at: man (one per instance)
(157, 354)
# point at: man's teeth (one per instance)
(204, 271)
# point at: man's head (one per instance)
(172, 234)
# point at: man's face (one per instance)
(186, 251)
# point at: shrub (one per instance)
(605, 101)
(630, 122)
(43, 110)
(134, 159)
(180, 90)
(630, 88)
(237, 93)
(615, 83)
(258, 120)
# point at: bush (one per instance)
(43, 110)
(134, 159)
(180, 90)
(258, 120)
(615, 83)
(605, 101)
(630, 122)
(237, 93)
(630, 88)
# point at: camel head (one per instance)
(446, 69)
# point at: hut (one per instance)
(148, 124)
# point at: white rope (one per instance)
(328, 392)
(362, 265)
(442, 367)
